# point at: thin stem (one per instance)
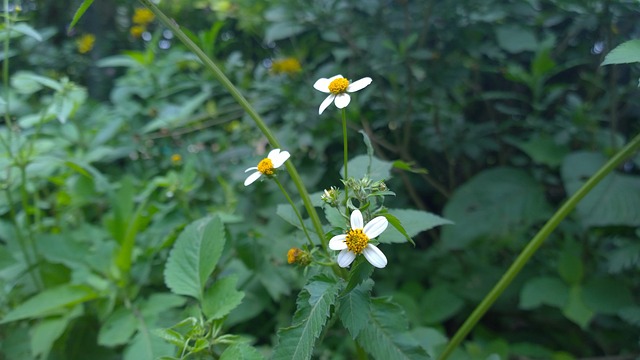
(295, 210)
(535, 243)
(346, 153)
(219, 75)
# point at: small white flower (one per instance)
(356, 241)
(337, 87)
(267, 166)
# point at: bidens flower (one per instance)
(356, 241)
(267, 166)
(337, 87)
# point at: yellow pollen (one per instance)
(292, 255)
(266, 166)
(356, 241)
(338, 86)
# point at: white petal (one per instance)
(280, 159)
(375, 227)
(337, 242)
(345, 258)
(273, 154)
(374, 256)
(342, 100)
(359, 85)
(251, 168)
(322, 85)
(252, 178)
(356, 219)
(326, 103)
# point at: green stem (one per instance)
(346, 153)
(219, 75)
(295, 210)
(535, 243)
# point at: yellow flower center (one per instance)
(356, 241)
(292, 255)
(338, 86)
(266, 166)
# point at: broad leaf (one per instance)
(194, 256)
(412, 222)
(385, 336)
(439, 304)
(359, 167)
(314, 303)
(544, 291)
(51, 300)
(614, 201)
(607, 295)
(118, 328)
(499, 204)
(575, 309)
(624, 53)
(353, 308)
(241, 351)
(221, 298)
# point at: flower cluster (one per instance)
(287, 66)
(141, 18)
(85, 43)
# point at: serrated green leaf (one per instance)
(241, 352)
(499, 203)
(221, 298)
(194, 256)
(145, 346)
(385, 336)
(354, 307)
(359, 167)
(576, 310)
(607, 295)
(118, 328)
(298, 341)
(407, 223)
(78, 14)
(612, 202)
(47, 331)
(439, 304)
(543, 149)
(543, 290)
(361, 270)
(627, 52)
(51, 300)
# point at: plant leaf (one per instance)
(51, 300)
(241, 351)
(81, 10)
(221, 298)
(194, 256)
(627, 52)
(408, 223)
(354, 307)
(543, 290)
(314, 303)
(385, 336)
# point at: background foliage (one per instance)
(500, 110)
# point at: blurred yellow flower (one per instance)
(137, 30)
(142, 16)
(286, 66)
(176, 158)
(85, 43)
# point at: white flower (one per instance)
(267, 166)
(337, 87)
(356, 241)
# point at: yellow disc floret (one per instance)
(356, 241)
(266, 166)
(293, 254)
(338, 86)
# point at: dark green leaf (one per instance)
(241, 352)
(607, 295)
(499, 203)
(439, 304)
(408, 223)
(51, 300)
(118, 328)
(361, 270)
(544, 291)
(298, 340)
(194, 256)
(353, 308)
(575, 308)
(385, 336)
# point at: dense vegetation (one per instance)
(127, 231)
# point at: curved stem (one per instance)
(295, 210)
(535, 243)
(226, 83)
